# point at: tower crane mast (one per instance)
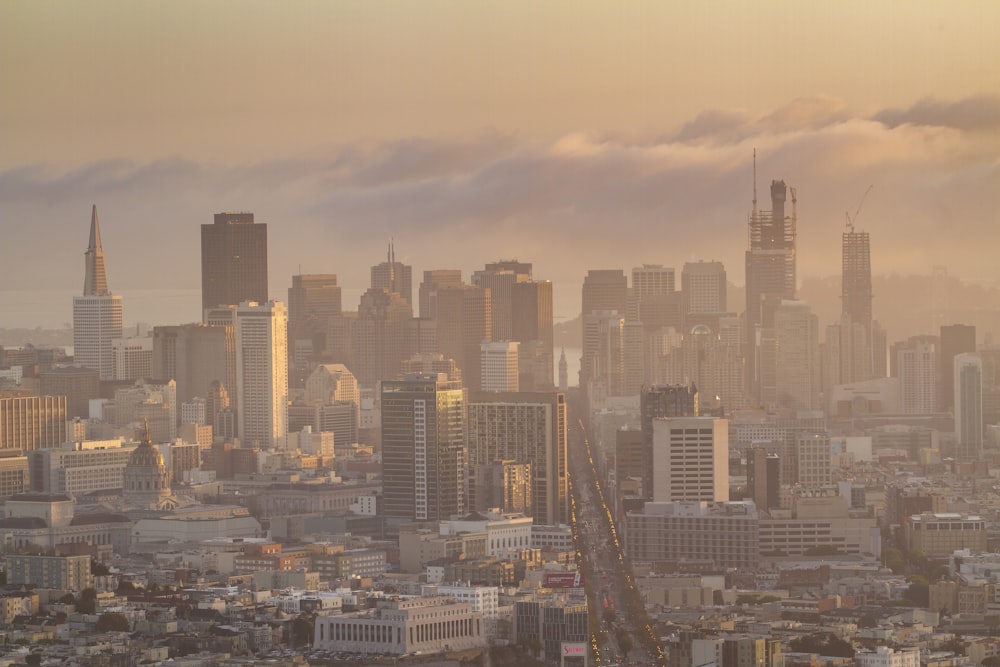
(852, 219)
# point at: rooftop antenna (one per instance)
(755, 182)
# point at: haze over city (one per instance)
(468, 132)
(499, 334)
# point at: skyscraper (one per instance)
(97, 314)
(917, 369)
(770, 265)
(856, 277)
(527, 427)
(605, 289)
(313, 300)
(379, 344)
(703, 286)
(500, 278)
(796, 362)
(233, 260)
(423, 448)
(532, 320)
(434, 280)
(968, 390)
(648, 282)
(394, 276)
(955, 339)
(262, 373)
(464, 321)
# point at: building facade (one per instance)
(262, 373)
(423, 448)
(97, 314)
(525, 427)
(233, 260)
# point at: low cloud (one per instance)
(974, 113)
(575, 203)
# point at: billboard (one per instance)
(563, 580)
(574, 650)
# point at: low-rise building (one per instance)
(59, 572)
(398, 627)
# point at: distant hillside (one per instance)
(38, 337)
(903, 305)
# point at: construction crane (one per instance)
(852, 219)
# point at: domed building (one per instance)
(147, 481)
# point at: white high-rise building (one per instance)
(918, 371)
(97, 314)
(262, 373)
(498, 365)
(690, 459)
(969, 404)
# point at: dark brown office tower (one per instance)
(78, 384)
(658, 402)
(464, 321)
(531, 318)
(233, 260)
(434, 280)
(763, 478)
(955, 339)
(500, 277)
(605, 289)
(394, 276)
(313, 300)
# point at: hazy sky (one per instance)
(572, 134)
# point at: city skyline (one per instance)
(544, 137)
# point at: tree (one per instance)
(823, 643)
(33, 659)
(99, 569)
(608, 616)
(302, 629)
(112, 622)
(87, 604)
(894, 560)
(624, 642)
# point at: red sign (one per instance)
(563, 580)
(574, 650)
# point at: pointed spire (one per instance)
(95, 281)
(95, 231)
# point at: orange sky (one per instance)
(471, 131)
(237, 81)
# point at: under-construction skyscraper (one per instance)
(770, 263)
(856, 277)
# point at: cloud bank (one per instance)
(578, 202)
